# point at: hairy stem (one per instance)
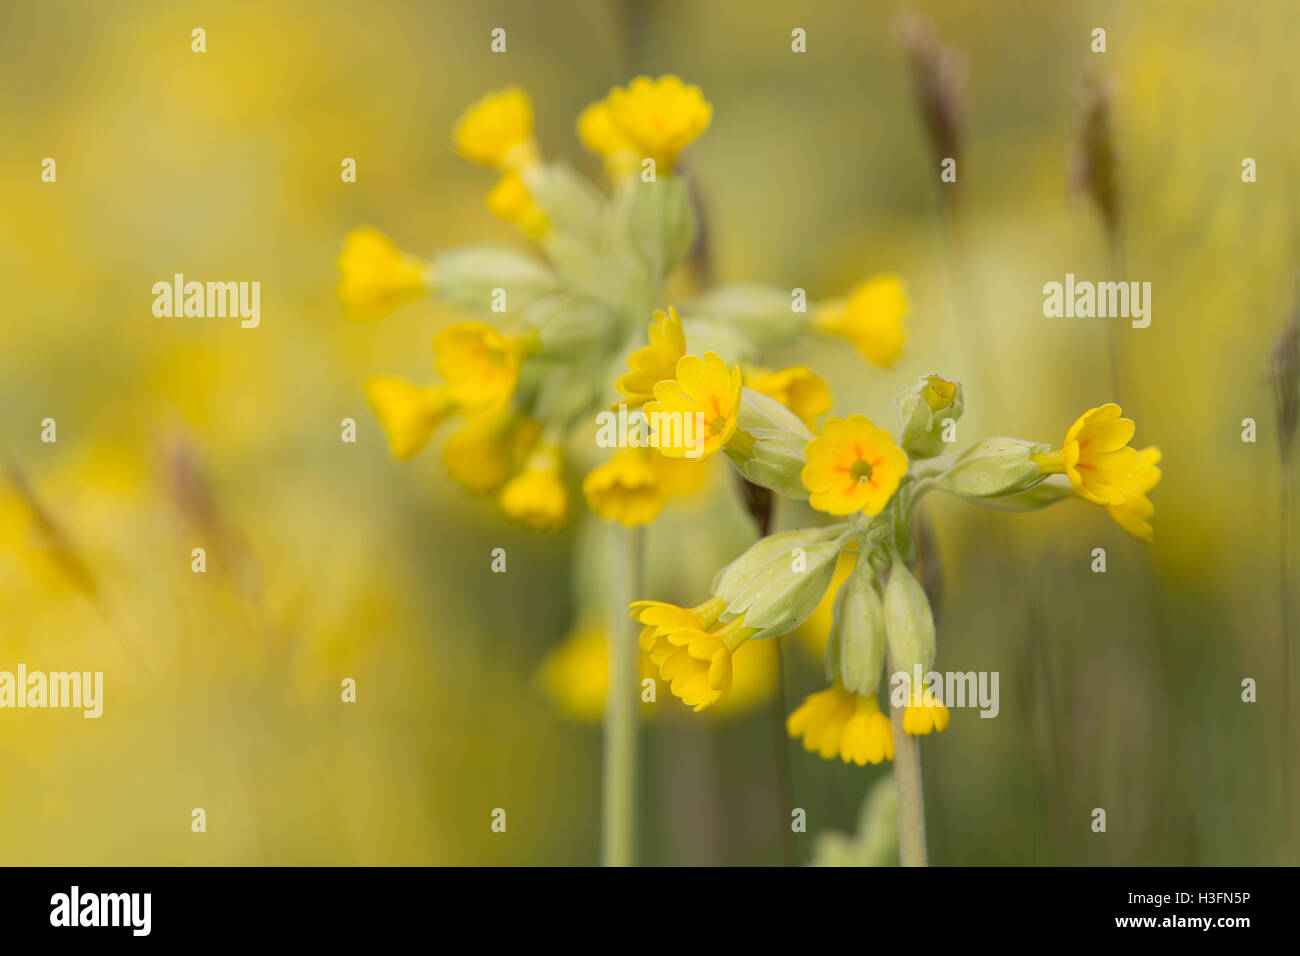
(911, 801)
(618, 821)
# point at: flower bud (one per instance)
(909, 625)
(728, 582)
(855, 650)
(773, 459)
(786, 590)
(471, 276)
(993, 467)
(662, 225)
(924, 411)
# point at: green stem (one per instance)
(911, 801)
(618, 830)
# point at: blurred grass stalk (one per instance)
(618, 816)
(1285, 376)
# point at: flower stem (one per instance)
(911, 802)
(618, 830)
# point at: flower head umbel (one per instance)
(376, 276)
(652, 364)
(659, 117)
(536, 497)
(839, 722)
(870, 317)
(1134, 515)
(852, 466)
(1096, 457)
(694, 413)
(497, 131)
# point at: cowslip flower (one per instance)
(1096, 457)
(627, 488)
(601, 136)
(799, 389)
(702, 390)
(852, 466)
(839, 722)
(693, 655)
(660, 117)
(536, 497)
(653, 363)
(497, 131)
(870, 317)
(376, 276)
(479, 364)
(409, 414)
(510, 200)
(925, 713)
(1134, 515)
(483, 453)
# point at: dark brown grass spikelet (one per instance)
(1094, 162)
(938, 81)
(50, 534)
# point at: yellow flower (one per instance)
(1134, 515)
(483, 454)
(510, 200)
(480, 364)
(536, 497)
(497, 131)
(627, 488)
(375, 275)
(852, 466)
(409, 414)
(925, 713)
(600, 135)
(1096, 457)
(838, 721)
(655, 362)
(799, 389)
(696, 661)
(871, 318)
(660, 117)
(694, 413)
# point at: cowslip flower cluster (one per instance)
(527, 374)
(871, 480)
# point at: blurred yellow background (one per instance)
(329, 560)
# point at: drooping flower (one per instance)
(870, 317)
(626, 489)
(375, 276)
(837, 721)
(536, 497)
(694, 412)
(601, 135)
(497, 131)
(483, 453)
(697, 663)
(1096, 457)
(925, 713)
(653, 363)
(1134, 515)
(798, 388)
(852, 466)
(480, 365)
(409, 414)
(510, 200)
(660, 117)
